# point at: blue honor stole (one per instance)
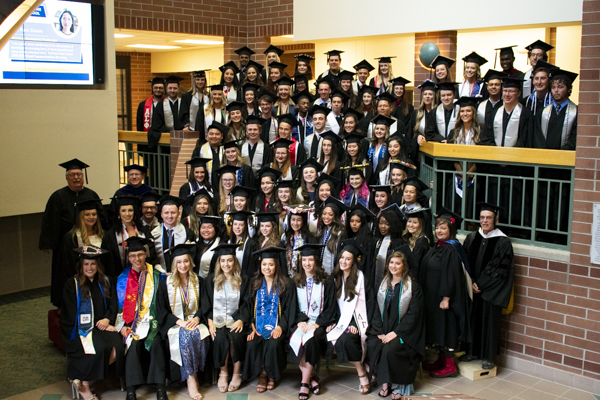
(267, 310)
(84, 323)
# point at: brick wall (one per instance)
(446, 41)
(140, 75)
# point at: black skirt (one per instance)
(91, 367)
(224, 338)
(312, 350)
(268, 354)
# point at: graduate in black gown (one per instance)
(388, 237)
(197, 178)
(88, 313)
(59, 218)
(400, 347)
(246, 245)
(318, 310)
(351, 333)
(181, 320)
(492, 264)
(358, 227)
(445, 279)
(417, 236)
(227, 314)
(272, 301)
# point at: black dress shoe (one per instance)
(131, 396)
(161, 394)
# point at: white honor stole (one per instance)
(333, 124)
(421, 124)
(357, 308)
(179, 236)
(384, 176)
(169, 117)
(176, 296)
(527, 84)
(308, 144)
(481, 113)
(194, 107)
(570, 118)
(312, 311)
(207, 258)
(441, 121)
(406, 295)
(257, 162)
(225, 303)
(206, 152)
(512, 129)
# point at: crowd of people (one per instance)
(304, 231)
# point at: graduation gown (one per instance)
(329, 314)
(492, 264)
(249, 261)
(224, 336)
(159, 124)
(181, 234)
(399, 115)
(258, 156)
(139, 117)
(198, 117)
(485, 110)
(113, 262)
(441, 275)
(270, 354)
(265, 134)
(371, 269)
(91, 367)
(205, 259)
(418, 252)
(399, 360)
(557, 131)
(59, 218)
(441, 123)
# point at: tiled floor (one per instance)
(341, 383)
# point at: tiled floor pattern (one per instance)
(341, 383)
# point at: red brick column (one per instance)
(446, 41)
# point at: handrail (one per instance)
(565, 158)
(142, 137)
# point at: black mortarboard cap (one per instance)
(157, 80)
(312, 162)
(484, 206)
(466, 101)
(273, 49)
(351, 111)
(346, 75)
(182, 249)
(333, 202)
(307, 250)
(475, 58)
(403, 165)
(140, 168)
(127, 200)
(268, 171)
(291, 183)
(278, 65)
(359, 207)
(136, 243)
(264, 94)
(240, 215)
(493, 74)
(449, 215)
(544, 64)
(364, 64)
(224, 129)
(369, 89)
(387, 96)
(90, 204)
(242, 191)
(355, 138)
(90, 252)
(268, 216)
(340, 94)
(385, 59)
(269, 252)
(416, 182)
(394, 208)
(259, 67)
(216, 87)
(168, 199)
(75, 164)
(281, 143)
(285, 80)
(229, 65)
(327, 178)
(325, 79)
(198, 162)
(350, 246)
(428, 85)
(300, 78)
(329, 135)
(383, 120)
(304, 57)
(381, 188)
(244, 50)
(250, 86)
(232, 143)
(226, 249)
(149, 196)
(447, 86)
(440, 59)
(512, 82)
(173, 79)
(300, 95)
(200, 73)
(318, 109)
(538, 44)
(198, 193)
(555, 73)
(227, 169)
(507, 49)
(211, 219)
(399, 81)
(288, 119)
(417, 212)
(235, 105)
(334, 53)
(253, 119)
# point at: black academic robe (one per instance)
(270, 354)
(113, 262)
(417, 253)
(91, 367)
(315, 347)
(441, 275)
(399, 360)
(186, 190)
(371, 269)
(224, 336)
(159, 126)
(267, 156)
(249, 265)
(186, 102)
(432, 133)
(59, 218)
(525, 131)
(553, 139)
(492, 265)
(266, 127)
(399, 115)
(366, 259)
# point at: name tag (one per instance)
(85, 318)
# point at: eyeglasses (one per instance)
(151, 208)
(75, 175)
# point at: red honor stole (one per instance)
(293, 151)
(148, 113)
(131, 296)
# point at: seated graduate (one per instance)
(318, 310)
(400, 347)
(137, 321)
(273, 300)
(89, 310)
(246, 245)
(228, 318)
(356, 302)
(181, 321)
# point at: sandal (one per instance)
(233, 387)
(364, 389)
(271, 384)
(385, 392)
(315, 388)
(396, 396)
(222, 388)
(262, 383)
(301, 395)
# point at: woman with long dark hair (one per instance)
(240, 236)
(331, 232)
(201, 205)
(267, 195)
(421, 116)
(396, 151)
(330, 143)
(237, 127)
(357, 146)
(211, 233)
(358, 227)
(197, 177)
(250, 92)
(296, 236)
(232, 89)
(403, 109)
(388, 237)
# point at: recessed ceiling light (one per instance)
(288, 36)
(153, 46)
(197, 41)
(122, 35)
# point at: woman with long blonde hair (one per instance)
(215, 110)
(384, 75)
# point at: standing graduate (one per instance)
(491, 258)
(198, 177)
(358, 227)
(472, 86)
(507, 60)
(295, 236)
(383, 80)
(304, 127)
(59, 218)
(195, 100)
(227, 314)
(232, 88)
(388, 237)
(136, 174)
(215, 109)
(541, 95)
(246, 245)
(403, 110)
(173, 115)
(255, 152)
(181, 321)
(420, 116)
(211, 234)
(88, 313)
(212, 149)
(443, 119)
(331, 232)
(147, 107)
(363, 69)
(318, 310)
(536, 51)
(137, 288)
(417, 236)
(334, 61)
(493, 87)
(272, 301)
